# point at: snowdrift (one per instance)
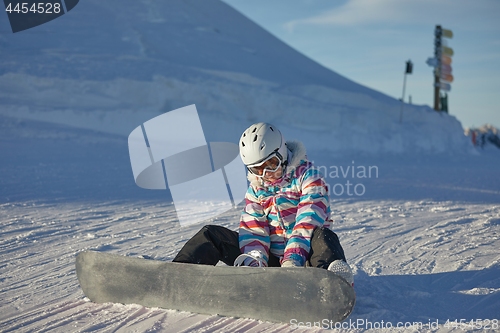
(112, 65)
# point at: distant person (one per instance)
(482, 141)
(286, 218)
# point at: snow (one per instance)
(421, 230)
(110, 66)
(423, 239)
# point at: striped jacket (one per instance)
(279, 218)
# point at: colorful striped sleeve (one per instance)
(254, 228)
(312, 211)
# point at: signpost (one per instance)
(442, 67)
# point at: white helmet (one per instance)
(261, 140)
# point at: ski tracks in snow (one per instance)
(414, 261)
(421, 261)
(40, 291)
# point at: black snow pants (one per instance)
(213, 243)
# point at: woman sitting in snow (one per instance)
(286, 218)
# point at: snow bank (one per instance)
(319, 115)
(112, 66)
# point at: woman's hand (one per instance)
(251, 259)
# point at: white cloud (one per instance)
(369, 12)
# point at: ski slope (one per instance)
(421, 232)
(115, 64)
(423, 240)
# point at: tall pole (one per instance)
(408, 70)
(442, 67)
(437, 69)
(402, 100)
(436, 92)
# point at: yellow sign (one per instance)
(447, 33)
(447, 51)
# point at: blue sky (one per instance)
(369, 42)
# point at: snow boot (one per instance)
(342, 269)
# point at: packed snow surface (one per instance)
(423, 239)
(416, 206)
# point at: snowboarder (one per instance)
(286, 219)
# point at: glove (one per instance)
(290, 263)
(253, 258)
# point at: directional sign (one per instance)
(445, 60)
(447, 51)
(446, 69)
(447, 33)
(432, 62)
(443, 86)
(446, 77)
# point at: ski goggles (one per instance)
(270, 164)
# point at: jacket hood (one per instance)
(296, 154)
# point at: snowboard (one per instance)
(274, 294)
